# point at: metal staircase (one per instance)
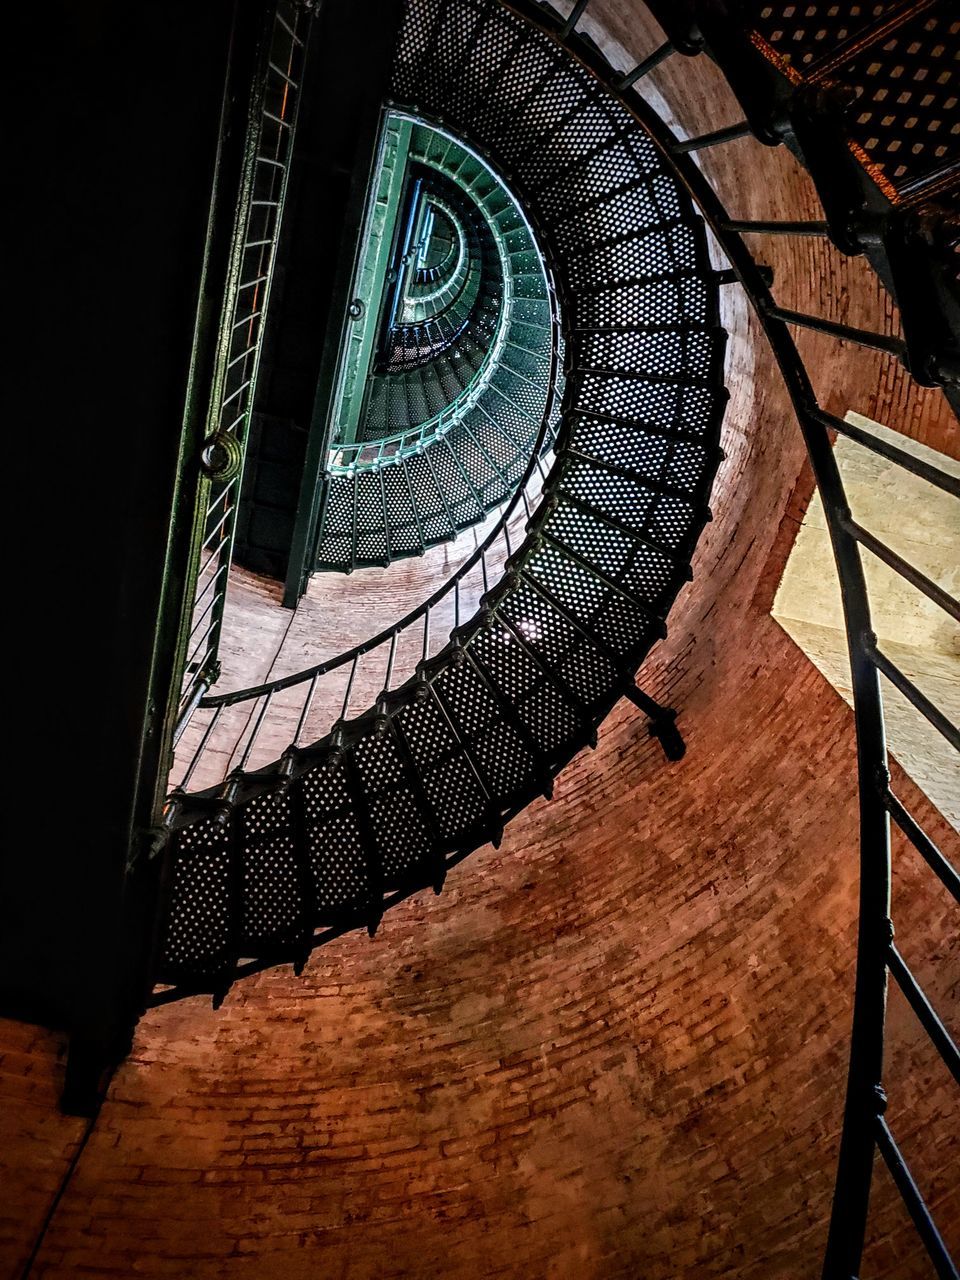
(277, 855)
(450, 411)
(274, 846)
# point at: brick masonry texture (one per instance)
(616, 1046)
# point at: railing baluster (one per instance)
(924, 845)
(906, 570)
(209, 605)
(715, 139)
(916, 1206)
(212, 556)
(255, 732)
(210, 582)
(914, 696)
(863, 337)
(575, 15)
(426, 636)
(349, 689)
(308, 702)
(926, 1014)
(646, 66)
(199, 645)
(390, 661)
(201, 747)
(216, 528)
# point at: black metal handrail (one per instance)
(864, 1130)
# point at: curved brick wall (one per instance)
(616, 1046)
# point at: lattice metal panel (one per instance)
(647, 456)
(667, 352)
(534, 337)
(610, 165)
(403, 530)
(600, 545)
(453, 32)
(805, 35)
(578, 590)
(200, 918)
(587, 671)
(503, 758)
(335, 853)
(450, 784)
(623, 629)
(649, 579)
(634, 256)
(272, 882)
(398, 826)
(550, 719)
(428, 500)
(371, 534)
(606, 216)
(540, 623)
(675, 523)
(679, 297)
(502, 658)
(501, 451)
(513, 421)
(591, 676)
(461, 499)
(620, 497)
(664, 405)
(526, 399)
(907, 116)
(336, 534)
(478, 468)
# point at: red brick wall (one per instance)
(616, 1046)
(36, 1141)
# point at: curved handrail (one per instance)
(455, 279)
(442, 422)
(864, 1129)
(415, 614)
(534, 463)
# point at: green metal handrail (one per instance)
(345, 459)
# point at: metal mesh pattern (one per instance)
(452, 789)
(200, 912)
(806, 35)
(272, 910)
(335, 852)
(900, 60)
(464, 318)
(523, 686)
(907, 114)
(473, 381)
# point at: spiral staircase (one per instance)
(331, 833)
(451, 411)
(533, 341)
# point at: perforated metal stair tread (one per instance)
(522, 686)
